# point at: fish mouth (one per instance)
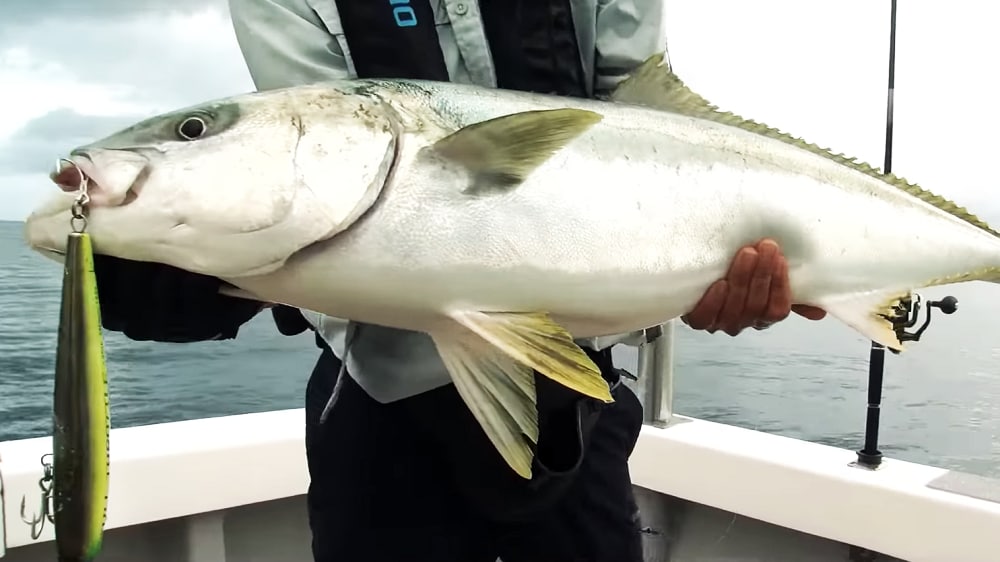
(77, 175)
(51, 253)
(111, 178)
(74, 173)
(90, 181)
(48, 250)
(44, 228)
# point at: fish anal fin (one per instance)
(653, 84)
(869, 314)
(499, 392)
(505, 150)
(535, 340)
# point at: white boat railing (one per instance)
(197, 469)
(3, 520)
(911, 511)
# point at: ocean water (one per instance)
(808, 380)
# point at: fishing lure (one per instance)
(75, 485)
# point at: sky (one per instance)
(74, 71)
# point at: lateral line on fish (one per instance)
(655, 85)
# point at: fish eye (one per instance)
(192, 128)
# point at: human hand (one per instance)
(156, 302)
(754, 293)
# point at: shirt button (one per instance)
(461, 9)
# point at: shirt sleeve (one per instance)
(628, 32)
(285, 43)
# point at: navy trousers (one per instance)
(418, 481)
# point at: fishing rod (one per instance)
(907, 313)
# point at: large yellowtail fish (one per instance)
(505, 224)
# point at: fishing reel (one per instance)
(907, 314)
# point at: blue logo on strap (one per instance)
(403, 13)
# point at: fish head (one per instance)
(228, 188)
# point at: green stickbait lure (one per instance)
(75, 486)
(81, 419)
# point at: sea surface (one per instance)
(800, 379)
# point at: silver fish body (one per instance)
(623, 229)
(504, 224)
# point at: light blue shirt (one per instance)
(293, 42)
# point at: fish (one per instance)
(81, 412)
(509, 225)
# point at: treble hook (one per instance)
(37, 521)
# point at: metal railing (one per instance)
(655, 372)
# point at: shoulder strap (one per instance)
(534, 46)
(393, 39)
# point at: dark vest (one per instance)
(533, 42)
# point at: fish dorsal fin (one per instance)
(654, 84)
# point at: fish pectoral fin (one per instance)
(500, 393)
(505, 150)
(533, 339)
(868, 313)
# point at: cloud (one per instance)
(177, 58)
(76, 71)
(75, 12)
(33, 148)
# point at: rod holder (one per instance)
(656, 375)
